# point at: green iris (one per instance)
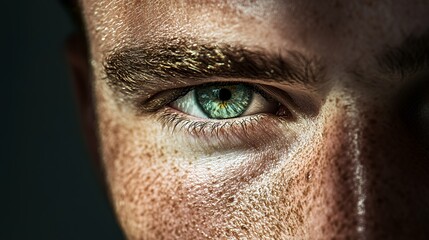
(224, 101)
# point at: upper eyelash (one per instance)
(181, 92)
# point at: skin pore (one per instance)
(341, 162)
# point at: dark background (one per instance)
(49, 188)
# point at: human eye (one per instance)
(224, 101)
(226, 112)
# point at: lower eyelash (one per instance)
(249, 130)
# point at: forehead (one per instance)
(351, 28)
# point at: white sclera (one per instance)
(188, 105)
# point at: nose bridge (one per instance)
(376, 168)
(357, 119)
(345, 169)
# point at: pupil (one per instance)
(224, 94)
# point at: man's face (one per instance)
(263, 119)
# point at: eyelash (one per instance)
(221, 133)
(240, 128)
(178, 121)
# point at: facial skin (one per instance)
(349, 160)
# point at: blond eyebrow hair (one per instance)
(130, 70)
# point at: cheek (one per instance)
(162, 188)
(144, 185)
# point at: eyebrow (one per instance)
(411, 56)
(144, 69)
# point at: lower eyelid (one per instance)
(246, 131)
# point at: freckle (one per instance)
(173, 209)
(231, 199)
(306, 191)
(220, 193)
(308, 176)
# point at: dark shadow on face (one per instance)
(356, 169)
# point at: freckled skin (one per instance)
(354, 171)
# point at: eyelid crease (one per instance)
(159, 100)
(299, 104)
